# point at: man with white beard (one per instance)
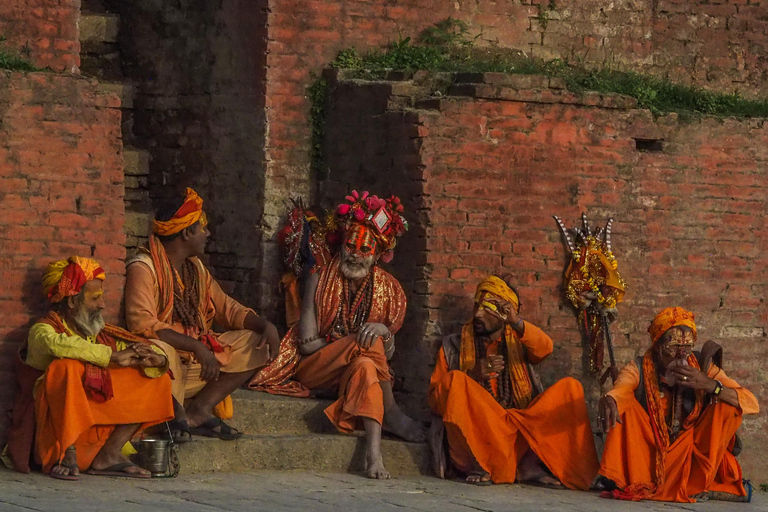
(94, 385)
(350, 313)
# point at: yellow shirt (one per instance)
(44, 345)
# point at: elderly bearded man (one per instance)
(170, 295)
(100, 384)
(351, 311)
(671, 419)
(485, 391)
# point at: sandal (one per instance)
(118, 470)
(70, 467)
(225, 432)
(480, 481)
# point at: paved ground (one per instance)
(306, 491)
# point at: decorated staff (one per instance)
(594, 287)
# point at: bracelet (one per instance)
(718, 388)
(309, 339)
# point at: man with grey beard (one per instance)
(97, 384)
(351, 310)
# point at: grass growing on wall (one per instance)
(12, 61)
(447, 47)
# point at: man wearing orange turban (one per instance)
(501, 426)
(671, 419)
(94, 385)
(170, 295)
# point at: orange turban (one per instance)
(669, 318)
(498, 287)
(189, 213)
(66, 278)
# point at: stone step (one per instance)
(259, 413)
(315, 452)
(99, 27)
(124, 91)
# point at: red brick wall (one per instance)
(61, 193)
(495, 164)
(717, 45)
(45, 30)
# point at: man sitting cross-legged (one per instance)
(170, 295)
(671, 419)
(351, 310)
(485, 392)
(100, 384)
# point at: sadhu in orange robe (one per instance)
(343, 364)
(554, 424)
(698, 460)
(79, 403)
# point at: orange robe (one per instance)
(146, 312)
(66, 416)
(342, 364)
(697, 461)
(555, 426)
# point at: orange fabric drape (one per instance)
(697, 461)
(388, 307)
(555, 426)
(66, 416)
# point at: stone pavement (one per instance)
(275, 491)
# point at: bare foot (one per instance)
(374, 468)
(479, 477)
(68, 466)
(398, 423)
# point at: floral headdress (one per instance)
(381, 216)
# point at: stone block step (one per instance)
(102, 28)
(315, 452)
(258, 413)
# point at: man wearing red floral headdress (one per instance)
(671, 419)
(90, 381)
(171, 296)
(350, 314)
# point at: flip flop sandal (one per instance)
(118, 470)
(70, 467)
(225, 432)
(480, 483)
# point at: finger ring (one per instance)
(684, 377)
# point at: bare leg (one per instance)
(396, 421)
(68, 466)
(109, 455)
(374, 463)
(201, 407)
(530, 470)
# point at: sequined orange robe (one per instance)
(555, 425)
(342, 364)
(698, 460)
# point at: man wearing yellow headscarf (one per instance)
(170, 295)
(88, 386)
(501, 426)
(671, 419)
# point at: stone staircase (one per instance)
(100, 59)
(284, 433)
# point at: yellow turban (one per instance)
(496, 286)
(66, 278)
(189, 213)
(669, 318)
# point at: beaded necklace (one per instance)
(353, 310)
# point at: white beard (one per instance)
(353, 267)
(90, 324)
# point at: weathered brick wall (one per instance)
(717, 45)
(199, 110)
(44, 31)
(61, 193)
(496, 162)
